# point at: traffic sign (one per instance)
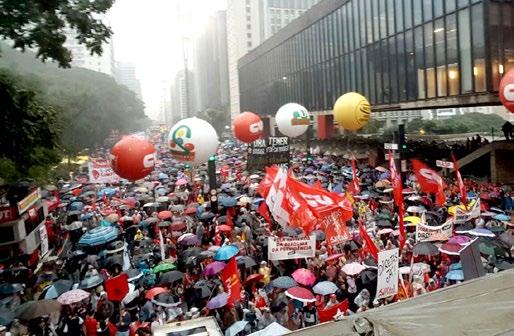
(392, 146)
(444, 164)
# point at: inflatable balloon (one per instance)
(247, 127)
(193, 141)
(352, 111)
(292, 119)
(133, 157)
(506, 90)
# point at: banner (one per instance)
(396, 180)
(44, 240)
(265, 152)
(387, 283)
(460, 182)
(328, 314)
(431, 233)
(291, 248)
(462, 216)
(335, 228)
(100, 171)
(429, 180)
(231, 281)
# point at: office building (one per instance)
(125, 74)
(182, 98)
(400, 54)
(249, 23)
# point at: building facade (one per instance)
(400, 54)
(249, 23)
(125, 74)
(182, 98)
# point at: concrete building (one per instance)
(210, 64)
(125, 74)
(249, 23)
(182, 98)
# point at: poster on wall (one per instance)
(44, 240)
(387, 283)
(100, 171)
(291, 248)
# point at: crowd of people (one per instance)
(139, 255)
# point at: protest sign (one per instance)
(462, 216)
(425, 232)
(266, 152)
(291, 248)
(100, 171)
(387, 283)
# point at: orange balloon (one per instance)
(133, 158)
(247, 127)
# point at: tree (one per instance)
(41, 24)
(467, 123)
(217, 118)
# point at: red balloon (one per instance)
(507, 90)
(133, 158)
(247, 127)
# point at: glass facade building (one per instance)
(392, 51)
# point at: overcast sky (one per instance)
(148, 33)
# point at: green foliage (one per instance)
(217, 118)
(467, 123)
(373, 126)
(41, 24)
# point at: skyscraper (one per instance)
(182, 102)
(125, 74)
(249, 23)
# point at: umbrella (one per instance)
(73, 226)
(455, 275)
(151, 293)
(353, 268)
(76, 206)
(246, 261)
(385, 231)
(226, 252)
(133, 274)
(368, 276)
(112, 218)
(507, 238)
(236, 328)
(325, 288)
(502, 217)
(465, 228)
(98, 236)
(304, 277)
(131, 295)
(188, 239)
(415, 209)
(164, 215)
(57, 288)
(214, 268)
(451, 249)
(190, 211)
(490, 248)
(8, 289)
(192, 251)
(170, 277)
(460, 240)
(163, 267)
(481, 233)
(33, 309)
(504, 265)
(91, 282)
(228, 201)
(384, 223)
(206, 215)
(253, 277)
(223, 228)
(301, 294)
(218, 301)
(205, 287)
(425, 248)
(334, 257)
(181, 182)
(284, 282)
(107, 191)
(73, 296)
(178, 226)
(412, 220)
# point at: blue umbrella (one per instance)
(338, 188)
(325, 288)
(228, 201)
(455, 275)
(76, 206)
(57, 288)
(98, 236)
(472, 195)
(257, 201)
(226, 252)
(163, 176)
(502, 217)
(107, 191)
(284, 282)
(86, 216)
(456, 266)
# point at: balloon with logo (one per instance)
(352, 111)
(247, 127)
(193, 141)
(506, 90)
(133, 157)
(292, 119)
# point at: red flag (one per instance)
(354, 187)
(267, 181)
(117, 287)
(396, 180)
(231, 281)
(429, 181)
(462, 187)
(264, 212)
(370, 245)
(328, 314)
(230, 213)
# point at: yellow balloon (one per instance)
(352, 111)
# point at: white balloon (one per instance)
(292, 119)
(193, 141)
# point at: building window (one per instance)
(249, 44)
(249, 35)
(465, 50)
(248, 18)
(248, 26)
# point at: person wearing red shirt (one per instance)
(90, 324)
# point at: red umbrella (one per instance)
(223, 228)
(151, 293)
(164, 215)
(177, 226)
(304, 276)
(300, 294)
(190, 211)
(334, 256)
(451, 249)
(252, 278)
(485, 196)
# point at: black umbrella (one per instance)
(246, 261)
(206, 288)
(368, 276)
(384, 223)
(8, 289)
(133, 274)
(113, 260)
(425, 248)
(206, 215)
(192, 252)
(191, 261)
(507, 238)
(170, 277)
(33, 309)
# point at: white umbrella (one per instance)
(415, 209)
(353, 268)
(254, 176)
(273, 329)
(236, 328)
